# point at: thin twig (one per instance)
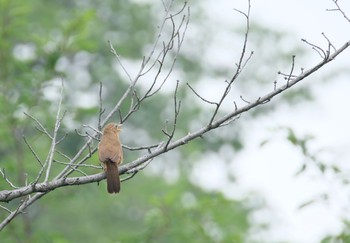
(291, 70)
(318, 49)
(33, 152)
(143, 165)
(41, 128)
(147, 147)
(62, 138)
(246, 101)
(119, 61)
(177, 106)
(92, 128)
(53, 142)
(6, 209)
(339, 9)
(101, 111)
(80, 165)
(239, 67)
(129, 177)
(3, 173)
(329, 43)
(160, 60)
(200, 97)
(62, 154)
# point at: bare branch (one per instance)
(8, 195)
(54, 143)
(318, 49)
(291, 70)
(41, 128)
(143, 165)
(230, 120)
(177, 106)
(134, 170)
(75, 168)
(129, 177)
(33, 152)
(177, 33)
(80, 165)
(94, 129)
(329, 43)
(3, 174)
(62, 154)
(275, 85)
(235, 113)
(246, 101)
(119, 61)
(239, 67)
(6, 209)
(62, 138)
(161, 28)
(339, 9)
(145, 61)
(200, 97)
(99, 126)
(141, 147)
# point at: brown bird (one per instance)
(110, 154)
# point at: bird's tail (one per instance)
(113, 182)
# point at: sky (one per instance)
(270, 170)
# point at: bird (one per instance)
(110, 153)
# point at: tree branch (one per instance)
(7, 195)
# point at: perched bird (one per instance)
(110, 154)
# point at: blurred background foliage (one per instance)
(45, 42)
